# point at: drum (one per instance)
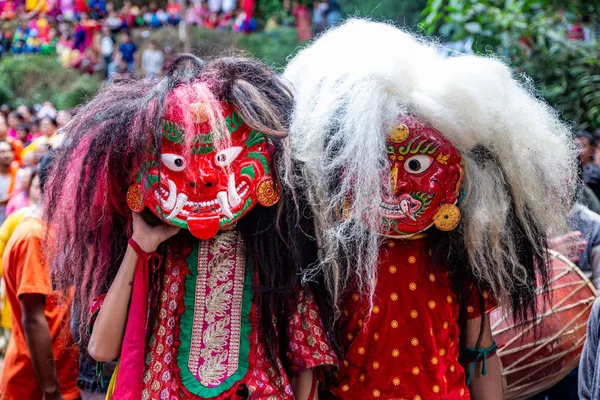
(538, 353)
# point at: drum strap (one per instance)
(475, 354)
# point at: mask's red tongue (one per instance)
(204, 227)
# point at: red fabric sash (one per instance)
(131, 363)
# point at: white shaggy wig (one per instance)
(353, 82)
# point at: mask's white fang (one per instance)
(234, 197)
(222, 200)
(170, 202)
(405, 206)
(181, 200)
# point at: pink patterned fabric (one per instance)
(216, 337)
(308, 347)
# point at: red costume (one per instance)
(433, 182)
(410, 343)
(218, 311)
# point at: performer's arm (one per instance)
(109, 327)
(487, 387)
(304, 386)
(39, 343)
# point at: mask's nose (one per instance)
(398, 185)
(204, 181)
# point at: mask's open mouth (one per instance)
(402, 207)
(180, 206)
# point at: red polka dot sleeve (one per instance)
(474, 302)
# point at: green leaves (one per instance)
(33, 79)
(531, 36)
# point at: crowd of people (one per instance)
(25, 135)
(95, 37)
(169, 259)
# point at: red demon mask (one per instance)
(208, 185)
(424, 180)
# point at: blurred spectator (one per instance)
(20, 194)
(173, 12)
(114, 22)
(588, 223)
(590, 172)
(18, 40)
(81, 7)
(14, 143)
(8, 171)
(215, 5)
(49, 46)
(87, 62)
(90, 27)
(5, 42)
(303, 21)
(9, 10)
(63, 118)
(48, 139)
(42, 360)
(23, 134)
(121, 70)
(26, 112)
(47, 110)
(32, 43)
(334, 13)
(67, 8)
(97, 8)
(153, 60)
(319, 20)
(14, 120)
(128, 50)
(192, 16)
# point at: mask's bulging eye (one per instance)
(226, 156)
(173, 161)
(417, 164)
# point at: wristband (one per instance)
(475, 354)
(153, 258)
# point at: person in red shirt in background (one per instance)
(42, 359)
(173, 12)
(430, 205)
(81, 6)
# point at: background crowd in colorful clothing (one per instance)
(95, 37)
(26, 133)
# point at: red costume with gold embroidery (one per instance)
(218, 311)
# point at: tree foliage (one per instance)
(403, 13)
(34, 79)
(530, 35)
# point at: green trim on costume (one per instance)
(186, 324)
